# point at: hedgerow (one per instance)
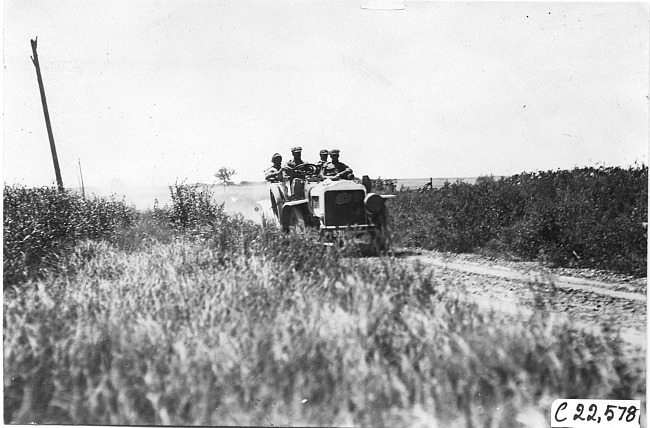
(586, 217)
(42, 225)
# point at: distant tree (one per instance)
(224, 175)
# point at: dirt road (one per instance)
(587, 299)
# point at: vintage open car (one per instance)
(333, 207)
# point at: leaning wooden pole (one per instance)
(83, 190)
(57, 171)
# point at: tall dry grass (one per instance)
(225, 322)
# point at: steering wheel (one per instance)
(306, 169)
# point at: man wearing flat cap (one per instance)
(323, 160)
(293, 163)
(296, 152)
(290, 169)
(336, 169)
(274, 172)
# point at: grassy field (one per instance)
(189, 315)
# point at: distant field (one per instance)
(237, 198)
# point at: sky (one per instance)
(158, 91)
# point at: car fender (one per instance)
(288, 206)
(295, 203)
(278, 191)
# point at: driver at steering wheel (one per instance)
(296, 177)
(297, 160)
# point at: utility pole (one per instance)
(59, 181)
(83, 190)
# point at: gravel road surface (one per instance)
(591, 300)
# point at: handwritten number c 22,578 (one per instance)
(624, 412)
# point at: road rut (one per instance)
(613, 304)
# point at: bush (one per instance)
(192, 206)
(42, 225)
(587, 217)
(383, 185)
